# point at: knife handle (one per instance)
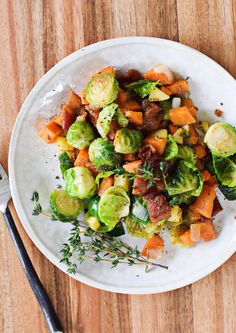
(36, 285)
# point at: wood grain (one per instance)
(34, 35)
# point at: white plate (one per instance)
(33, 166)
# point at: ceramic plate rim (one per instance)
(15, 195)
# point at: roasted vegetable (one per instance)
(65, 162)
(171, 149)
(113, 205)
(186, 178)
(160, 73)
(80, 134)
(225, 169)
(105, 118)
(63, 207)
(221, 139)
(139, 212)
(102, 154)
(128, 141)
(80, 183)
(141, 88)
(141, 230)
(187, 154)
(102, 90)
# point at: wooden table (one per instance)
(35, 35)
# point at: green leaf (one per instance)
(142, 88)
(225, 169)
(171, 149)
(105, 118)
(187, 154)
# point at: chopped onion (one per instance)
(176, 102)
(165, 70)
(195, 232)
(155, 253)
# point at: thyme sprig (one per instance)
(147, 173)
(100, 247)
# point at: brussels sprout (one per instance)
(128, 141)
(141, 88)
(120, 117)
(102, 154)
(221, 139)
(80, 183)
(102, 90)
(183, 198)
(63, 207)
(187, 154)
(65, 162)
(185, 178)
(225, 170)
(93, 206)
(157, 95)
(102, 175)
(171, 149)
(113, 205)
(105, 118)
(80, 134)
(117, 231)
(122, 181)
(229, 192)
(141, 230)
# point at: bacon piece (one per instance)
(158, 208)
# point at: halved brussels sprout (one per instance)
(221, 139)
(65, 162)
(63, 207)
(141, 230)
(102, 90)
(80, 134)
(171, 149)
(102, 154)
(80, 183)
(185, 178)
(225, 170)
(93, 206)
(105, 118)
(186, 153)
(128, 141)
(113, 205)
(120, 117)
(122, 181)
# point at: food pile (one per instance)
(134, 155)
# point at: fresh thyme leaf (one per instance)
(35, 197)
(131, 176)
(37, 209)
(119, 170)
(147, 173)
